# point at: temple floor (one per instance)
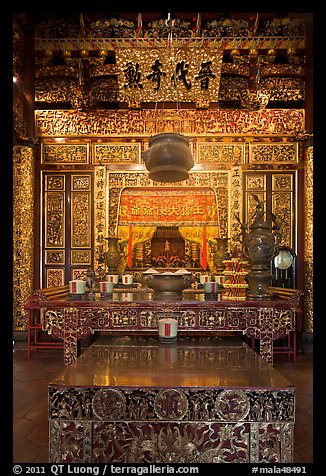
(32, 375)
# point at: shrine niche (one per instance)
(168, 250)
(167, 226)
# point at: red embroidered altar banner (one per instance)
(188, 205)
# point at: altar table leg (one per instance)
(266, 334)
(70, 335)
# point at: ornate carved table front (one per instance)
(139, 314)
(199, 400)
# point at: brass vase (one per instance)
(221, 254)
(112, 256)
(259, 246)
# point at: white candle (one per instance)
(106, 287)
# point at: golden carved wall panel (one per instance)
(81, 257)
(67, 224)
(230, 143)
(308, 250)
(79, 273)
(220, 153)
(282, 182)
(55, 277)
(277, 191)
(54, 182)
(65, 153)
(282, 206)
(54, 257)
(23, 232)
(273, 153)
(54, 237)
(100, 216)
(68, 123)
(80, 219)
(117, 153)
(255, 185)
(236, 205)
(81, 212)
(80, 198)
(52, 90)
(81, 182)
(55, 219)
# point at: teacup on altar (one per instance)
(211, 287)
(77, 286)
(220, 279)
(112, 278)
(127, 279)
(106, 287)
(205, 278)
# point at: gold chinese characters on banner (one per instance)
(168, 207)
(187, 74)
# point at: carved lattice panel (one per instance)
(220, 153)
(117, 152)
(54, 277)
(72, 153)
(55, 225)
(67, 219)
(273, 153)
(277, 191)
(255, 185)
(282, 205)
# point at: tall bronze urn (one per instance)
(259, 246)
(112, 256)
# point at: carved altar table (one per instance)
(198, 400)
(138, 313)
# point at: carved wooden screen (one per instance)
(277, 191)
(67, 235)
